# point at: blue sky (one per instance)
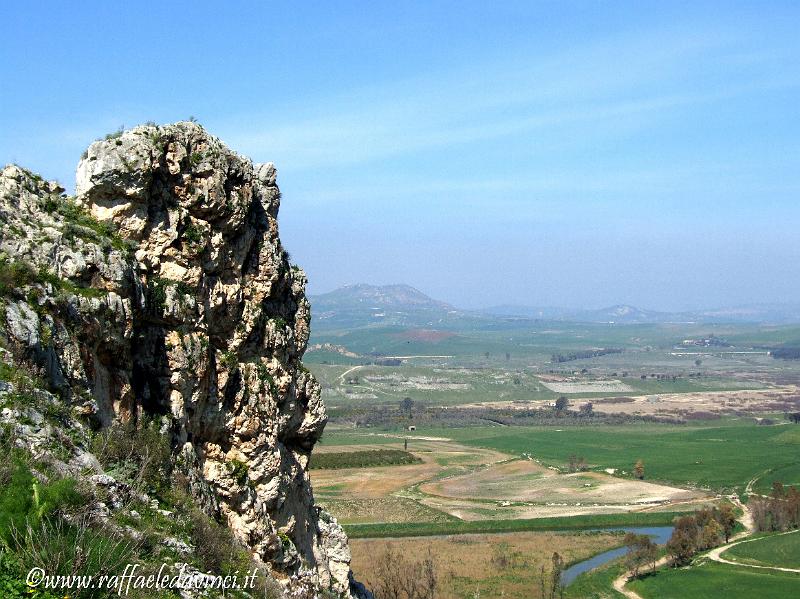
(543, 153)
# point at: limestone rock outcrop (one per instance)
(167, 293)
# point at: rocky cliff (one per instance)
(161, 293)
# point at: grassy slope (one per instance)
(597, 583)
(774, 550)
(712, 580)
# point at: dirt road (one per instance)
(715, 554)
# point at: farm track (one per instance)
(348, 371)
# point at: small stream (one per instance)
(660, 535)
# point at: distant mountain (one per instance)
(356, 306)
(364, 305)
(378, 297)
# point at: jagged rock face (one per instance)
(203, 320)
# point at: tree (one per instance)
(727, 520)
(562, 403)
(698, 362)
(709, 535)
(576, 463)
(638, 469)
(587, 410)
(407, 405)
(641, 551)
(683, 542)
(558, 567)
(543, 583)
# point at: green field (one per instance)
(453, 527)
(781, 550)
(711, 580)
(722, 458)
(788, 475)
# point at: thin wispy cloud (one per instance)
(629, 84)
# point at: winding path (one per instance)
(747, 521)
(620, 581)
(348, 371)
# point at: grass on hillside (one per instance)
(788, 475)
(711, 580)
(781, 550)
(597, 583)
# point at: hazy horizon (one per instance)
(576, 307)
(541, 154)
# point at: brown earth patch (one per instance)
(425, 335)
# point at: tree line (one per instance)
(703, 530)
(779, 511)
(583, 355)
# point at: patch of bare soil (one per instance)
(425, 335)
(708, 402)
(525, 480)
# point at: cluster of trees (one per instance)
(641, 551)
(779, 511)
(786, 353)
(577, 463)
(362, 459)
(388, 362)
(398, 415)
(562, 406)
(705, 529)
(583, 355)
